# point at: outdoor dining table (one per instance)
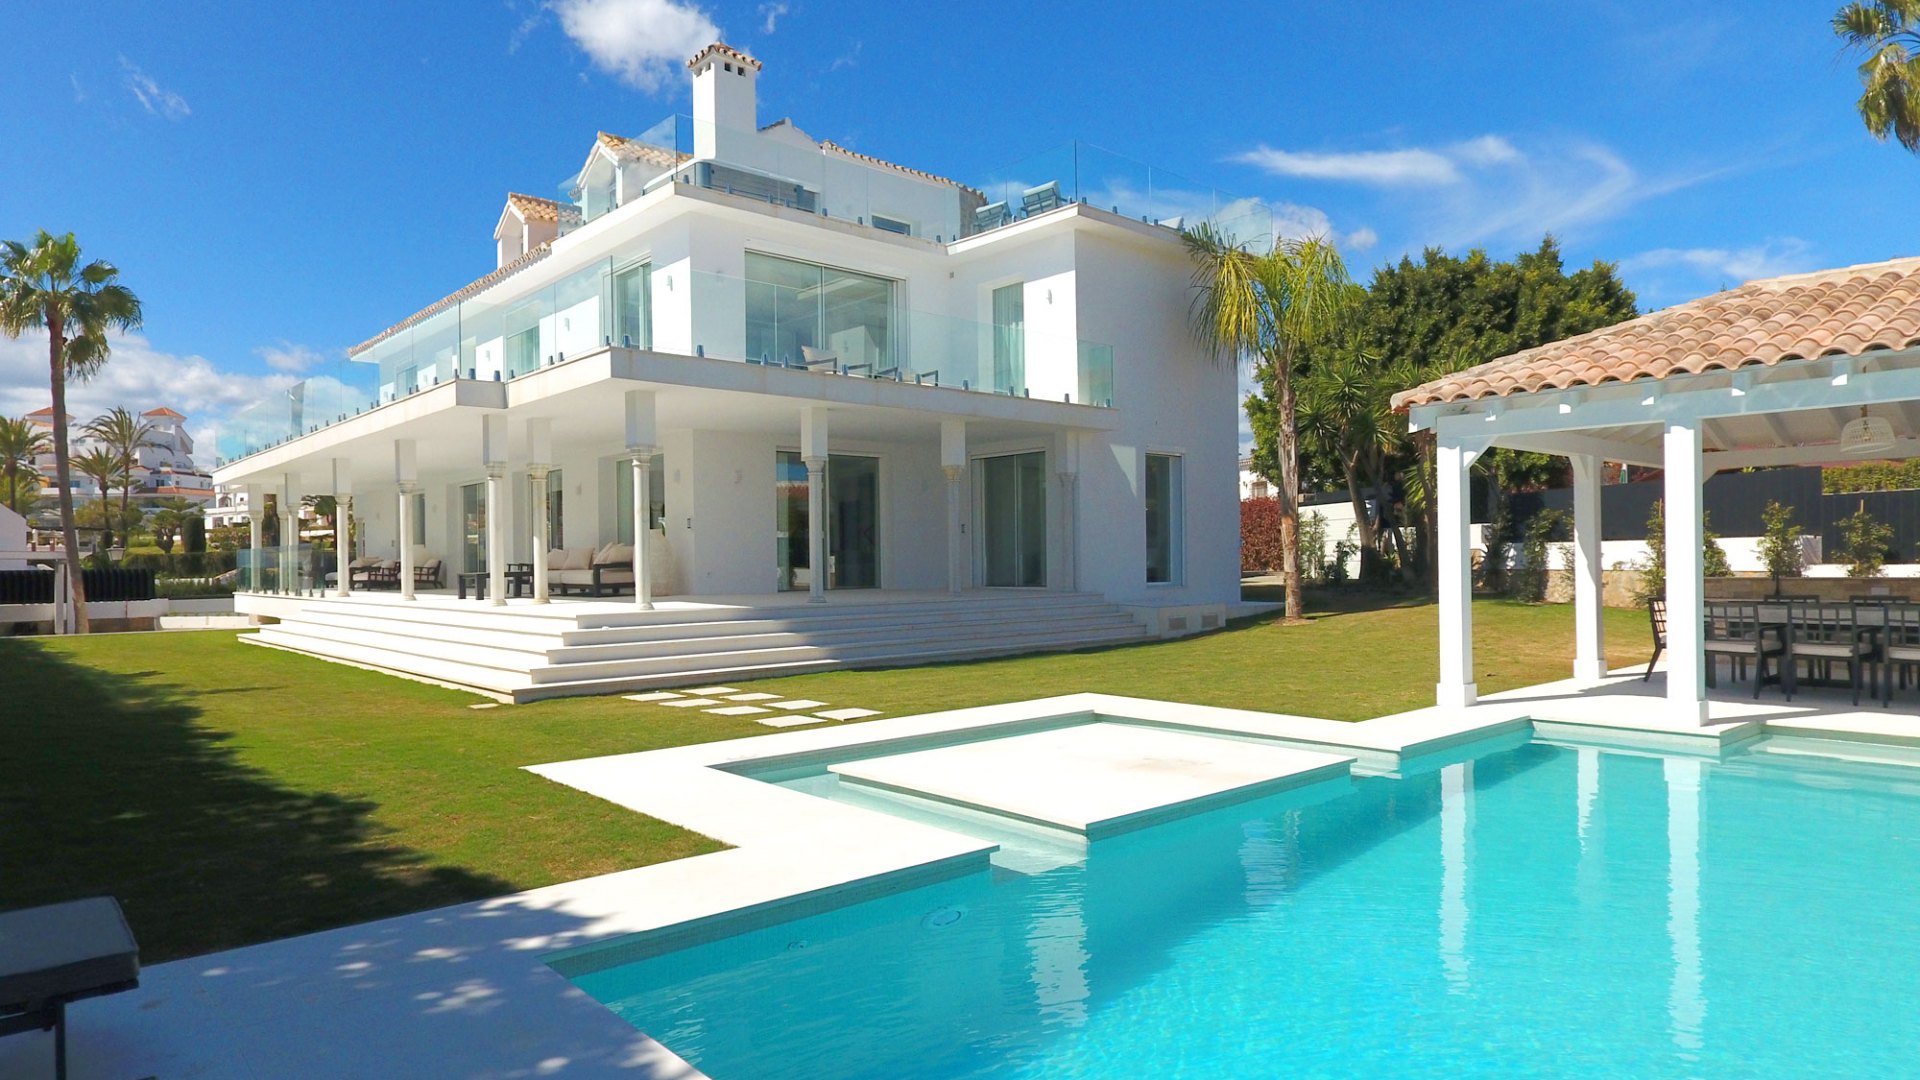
(519, 581)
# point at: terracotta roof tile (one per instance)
(723, 49)
(625, 149)
(827, 144)
(535, 208)
(1844, 312)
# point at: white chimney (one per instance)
(723, 95)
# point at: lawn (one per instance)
(230, 794)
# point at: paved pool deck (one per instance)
(471, 991)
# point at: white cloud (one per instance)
(1381, 167)
(642, 42)
(1291, 221)
(847, 59)
(1486, 150)
(139, 377)
(289, 357)
(1730, 266)
(153, 97)
(771, 14)
(1360, 239)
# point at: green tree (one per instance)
(44, 286)
(1888, 33)
(1780, 543)
(22, 493)
(1863, 543)
(21, 443)
(1653, 569)
(1423, 320)
(102, 466)
(1265, 309)
(169, 519)
(124, 435)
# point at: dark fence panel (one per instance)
(26, 586)
(1736, 503)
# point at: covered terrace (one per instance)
(1801, 370)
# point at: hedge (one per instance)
(1259, 535)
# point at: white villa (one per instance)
(964, 421)
(164, 467)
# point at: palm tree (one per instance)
(21, 443)
(169, 519)
(1265, 309)
(44, 286)
(124, 435)
(1888, 32)
(102, 466)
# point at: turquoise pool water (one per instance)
(1541, 911)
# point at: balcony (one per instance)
(816, 329)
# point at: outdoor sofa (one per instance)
(603, 572)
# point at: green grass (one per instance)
(231, 794)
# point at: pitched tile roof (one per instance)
(625, 149)
(826, 144)
(1844, 312)
(535, 208)
(725, 50)
(163, 411)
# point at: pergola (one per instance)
(1797, 370)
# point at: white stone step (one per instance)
(614, 648)
(494, 681)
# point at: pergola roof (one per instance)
(1845, 312)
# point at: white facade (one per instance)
(1022, 407)
(166, 467)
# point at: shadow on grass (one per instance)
(109, 785)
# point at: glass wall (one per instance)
(418, 512)
(1010, 338)
(1164, 519)
(1011, 511)
(556, 502)
(798, 311)
(853, 521)
(790, 522)
(473, 527)
(633, 307)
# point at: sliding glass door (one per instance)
(1010, 514)
(853, 522)
(473, 527)
(794, 308)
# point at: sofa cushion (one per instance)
(614, 553)
(421, 555)
(556, 559)
(580, 558)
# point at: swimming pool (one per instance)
(1540, 910)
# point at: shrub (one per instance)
(1529, 581)
(1653, 569)
(1780, 543)
(1260, 535)
(1871, 476)
(1863, 543)
(1313, 546)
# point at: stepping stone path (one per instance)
(792, 716)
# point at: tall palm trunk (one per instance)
(1289, 488)
(62, 473)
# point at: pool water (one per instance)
(1540, 911)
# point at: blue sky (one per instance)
(281, 181)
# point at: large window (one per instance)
(623, 497)
(1165, 519)
(793, 306)
(1010, 338)
(473, 527)
(418, 513)
(633, 307)
(556, 502)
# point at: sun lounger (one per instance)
(61, 953)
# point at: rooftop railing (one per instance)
(800, 175)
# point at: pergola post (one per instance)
(1686, 671)
(1589, 626)
(1454, 459)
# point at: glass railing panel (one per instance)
(1096, 374)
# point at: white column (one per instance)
(1686, 672)
(953, 462)
(342, 526)
(643, 442)
(406, 474)
(288, 505)
(1067, 469)
(539, 467)
(493, 452)
(642, 527)
(407, 491)
(496, 533)
(537, 483)
(813, 451)
(256, 508)
(1454, 458)
(1589, 643)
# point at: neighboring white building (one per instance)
(973, 391)
(1252, 484)
(165, 468)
